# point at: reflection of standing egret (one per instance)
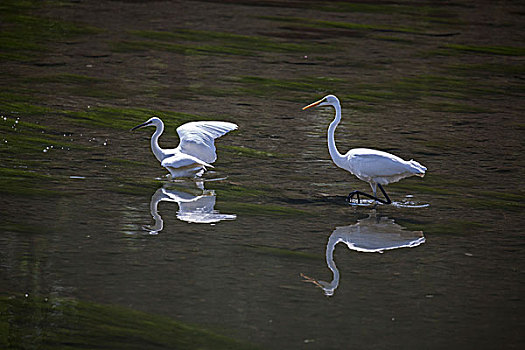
(372, 235)
(196, 149)
(375, 167)
(192, 208)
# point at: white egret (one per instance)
(375, 167)
(194, 207)
(196, 149)
(374, 234)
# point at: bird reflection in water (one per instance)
(195, 206)
(374, 234)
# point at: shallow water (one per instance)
(89, 221)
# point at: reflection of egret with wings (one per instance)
(193, 207)
(372, 235)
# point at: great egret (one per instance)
(194, 207)
(374, 234)
(375, 167)
(196, 149)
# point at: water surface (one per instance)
(90, 226)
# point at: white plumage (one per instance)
(193, 208)
(196, 150)
(380, 167)
(375, 234)
(375, 167)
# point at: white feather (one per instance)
(372, 166)
(197, 138)
(380, 167)
(196, 149)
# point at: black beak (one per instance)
(140, 126)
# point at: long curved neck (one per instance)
(153, 207)
(157, 151)
(330, 247)
(334, 153)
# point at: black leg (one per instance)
(359, 193)
(388, 201)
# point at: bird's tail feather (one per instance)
(204, 164)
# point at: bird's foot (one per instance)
(351, 195)
(375, 199)
(310, 280)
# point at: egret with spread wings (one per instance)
(196, 150)
(375, 167)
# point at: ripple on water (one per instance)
(401, 204)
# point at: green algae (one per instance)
(463, 192)
(251, 201)
(65, 323)
(365, 7)
(142, 187)
(18, 6)
(76, 84)
(425, 188)
(422, 89)
(489, 50)
(25, 182)
(198, 42)
(126, 118)
(20, 136)
(236, 192)
(225, 43)
(314, 23)
(18, 143)
(476, 69)
(495, 200)
(63, 78)
(17, 94)
(449, 227)
(506, 196)
(412, 88)
(47, 29)
(126, 163)
(23, 108)
(23, 147)
(138, 45)
(10, 124)
(20, 173)
(449, 107)
(302, 84)
(394, 39)
(255, 209)
(422, 11)
(284, 89)
(282, 252)
(244, 151)
(26, 36)
(434, 184)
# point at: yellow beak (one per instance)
(312, 104)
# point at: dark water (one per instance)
(92, 233)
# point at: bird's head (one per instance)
(328, 100)
(153, 121)
(328, 288)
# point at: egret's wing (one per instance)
(197, 138)
(201, 210)
(376, 235)
(200, 204)
(177, 196)
(372, 163)
(181, 160)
